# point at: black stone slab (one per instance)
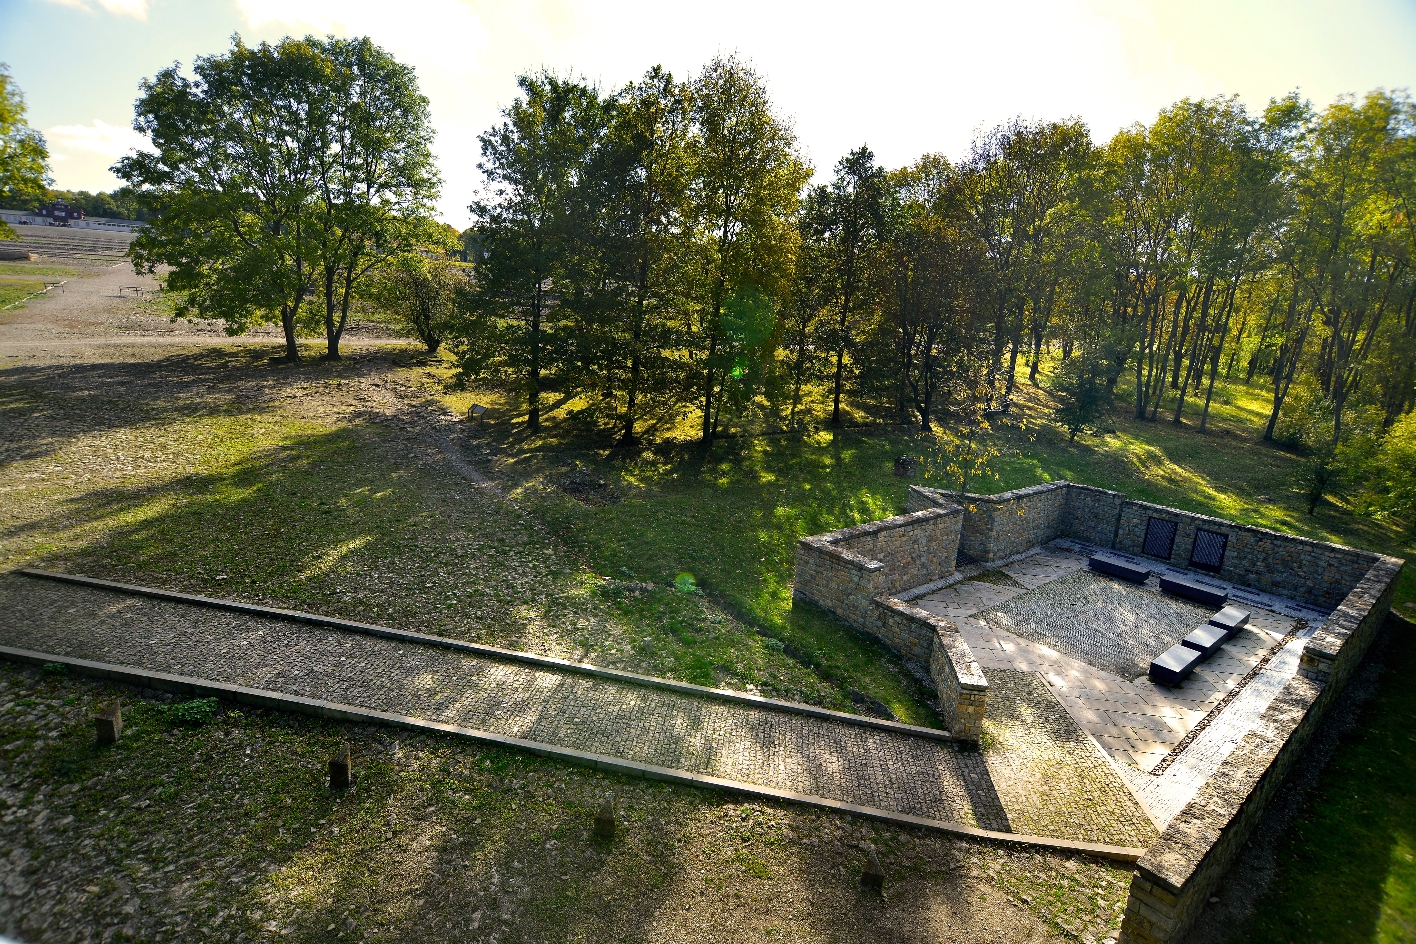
(1118, 568)
(1206, 639)
(1193, 590)
(1231, 619)
(1175, 665)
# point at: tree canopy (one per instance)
(281, 172)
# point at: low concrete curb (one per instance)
(492, 652)
(262, 698)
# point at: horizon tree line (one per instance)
(659, 251)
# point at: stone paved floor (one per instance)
(1038, 772)
(1136, 722)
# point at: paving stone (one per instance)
(1108, 624)
(1041, 775)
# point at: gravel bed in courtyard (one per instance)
(1107, 623)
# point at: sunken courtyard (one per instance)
(1195, 656)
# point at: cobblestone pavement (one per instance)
(1136, 722)
(1037, 773)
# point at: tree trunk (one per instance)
(287, 322)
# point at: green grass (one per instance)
(13, 290)
(1347, 866)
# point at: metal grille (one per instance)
(1208, 552)
(1160, 538)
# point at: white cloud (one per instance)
(133, 8)
(101, 138)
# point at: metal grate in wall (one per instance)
(1208, 552)
(1160, 538)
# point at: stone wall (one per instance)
(854, 571)
(1091, 515)
(1176, 876)
(935, 642)
(1313, 572)
(997, 527)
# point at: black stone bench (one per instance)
(1193, 590)
(1231, 619)
(1206, 639)
(1175, 665)
(1118, 568)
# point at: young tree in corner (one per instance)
(24, 158)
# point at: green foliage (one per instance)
(54, 670)
(1081, 392)
(197, 712)
(1346, 868)
(281, 173)
(422, 296)
(1395, 471)
(24, 156)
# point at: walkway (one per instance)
(1039, 774)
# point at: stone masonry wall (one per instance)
(838, 572)
(1313, 572)
(1091, 514)
(997, 527)
(1176, 876)
(935, 642)
(914, 548)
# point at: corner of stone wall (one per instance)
(934, 641)
(1175, 877)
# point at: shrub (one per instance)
(198, 711)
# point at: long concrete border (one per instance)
(263, 698)
(493, 652)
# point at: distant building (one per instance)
(60, 213)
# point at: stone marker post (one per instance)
(109, 724)
(341, 769)
(873, 877)
(605, 819)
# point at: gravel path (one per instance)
(1041, 777)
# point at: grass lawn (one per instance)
(19, 279)
(1347, 866)
(731, 517)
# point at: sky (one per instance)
(905, 78)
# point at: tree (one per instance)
(24, 157)
(532, 163)
(1081, 392)
(1022, 181)
(231, 182)
(646, 177)
(278, 172)
(849, 214)
(746, 182)
(421, 294)
(374, 177)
